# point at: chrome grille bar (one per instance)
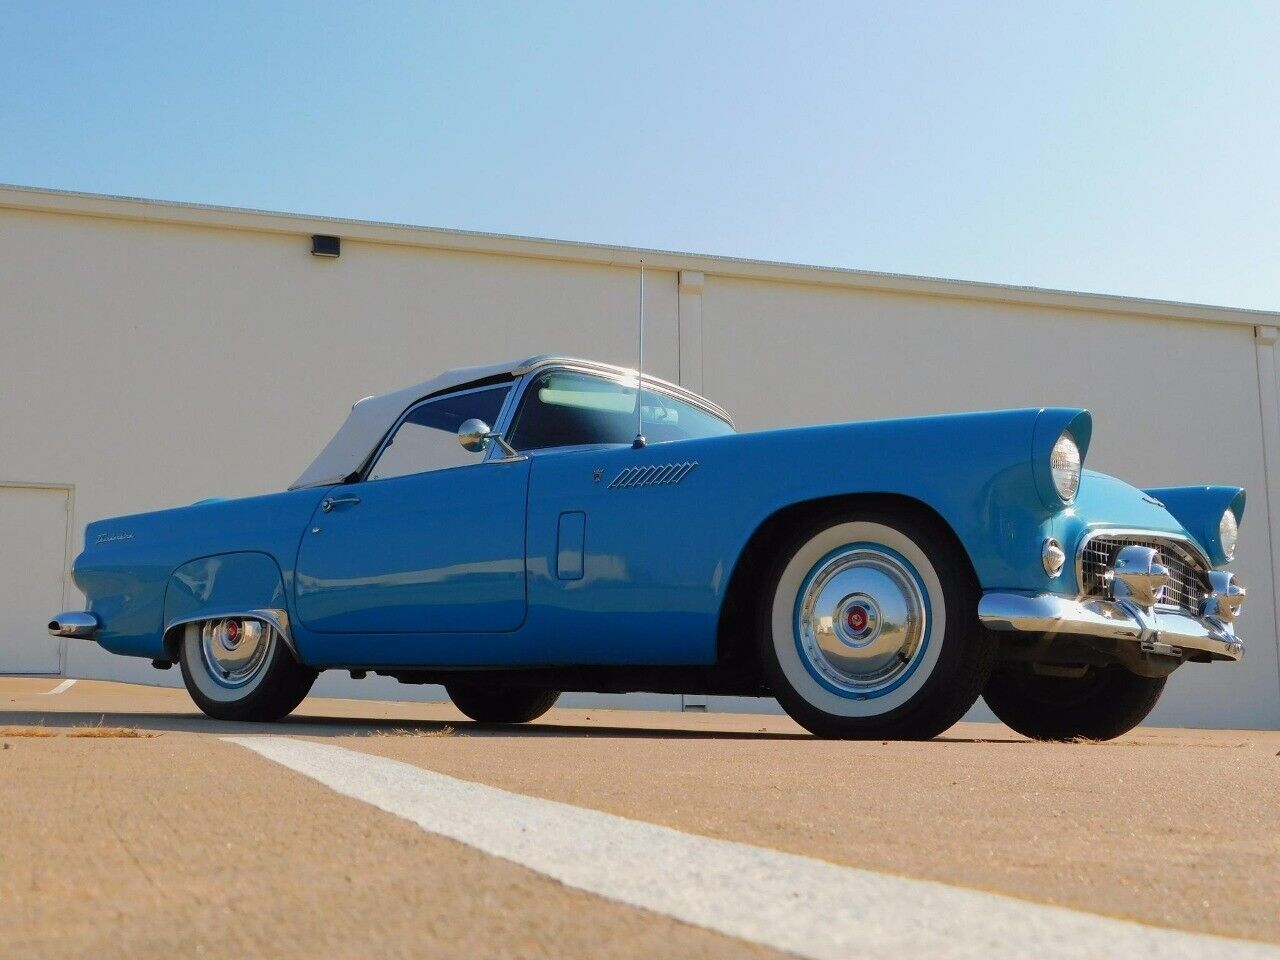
(1188, 573)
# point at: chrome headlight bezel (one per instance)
(1228, 533)
(1065, 461)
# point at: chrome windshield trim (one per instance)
(617, 375)
(628, 376)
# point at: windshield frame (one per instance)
(527, 379)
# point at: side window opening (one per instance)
(427, 438)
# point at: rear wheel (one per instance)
(487, 704)
(241, 669)
(868, 628)
(1101, 705)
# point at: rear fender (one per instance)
(245, 584)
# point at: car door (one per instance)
(431, 541)
(623, 566)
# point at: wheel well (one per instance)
(735, 638)
(172, 638)
(278, 620)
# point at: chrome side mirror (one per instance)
(474, 435)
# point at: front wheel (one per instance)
(241, 669)
(1101, 705)
(486, 704)
(868, 628)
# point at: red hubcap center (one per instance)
(857, 619)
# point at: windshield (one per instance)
(562, 408)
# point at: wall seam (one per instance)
(1269, 411)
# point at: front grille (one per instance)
(1188, 574)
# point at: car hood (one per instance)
(1107, 502)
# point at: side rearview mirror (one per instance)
(475, 436)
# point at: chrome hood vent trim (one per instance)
(656, 475)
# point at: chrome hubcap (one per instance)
(234, 650)
(862, 621)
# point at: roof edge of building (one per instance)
(45, 200)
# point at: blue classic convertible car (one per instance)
(507, 532)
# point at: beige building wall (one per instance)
(155, 354)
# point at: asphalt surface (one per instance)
(181, 843)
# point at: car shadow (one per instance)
(323, 726)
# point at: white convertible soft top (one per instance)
(372, 417)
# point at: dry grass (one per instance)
(27, 732)
(98, 730)
(445, 731)
(123, 733)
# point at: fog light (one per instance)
(1052, 557)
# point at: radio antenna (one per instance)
(640, 441)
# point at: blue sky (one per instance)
(1114, 147)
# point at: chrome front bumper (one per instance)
(1157, 630)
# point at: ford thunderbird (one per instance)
(527, 528)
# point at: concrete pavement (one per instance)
(179, 841)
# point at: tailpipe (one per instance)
(74, 623)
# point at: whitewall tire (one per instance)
(868, 627)
(241, 669)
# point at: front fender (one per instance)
(1200, 510)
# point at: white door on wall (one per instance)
(33, 568)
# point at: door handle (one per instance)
(328, 503)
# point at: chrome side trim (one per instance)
(654, 475)
(279, 619)
(1110, 620)
(74, 623)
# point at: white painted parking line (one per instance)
(63, 687)
(808, 907)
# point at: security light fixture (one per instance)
(323, 245)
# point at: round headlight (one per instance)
(1228, 533)
(1064, 464)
